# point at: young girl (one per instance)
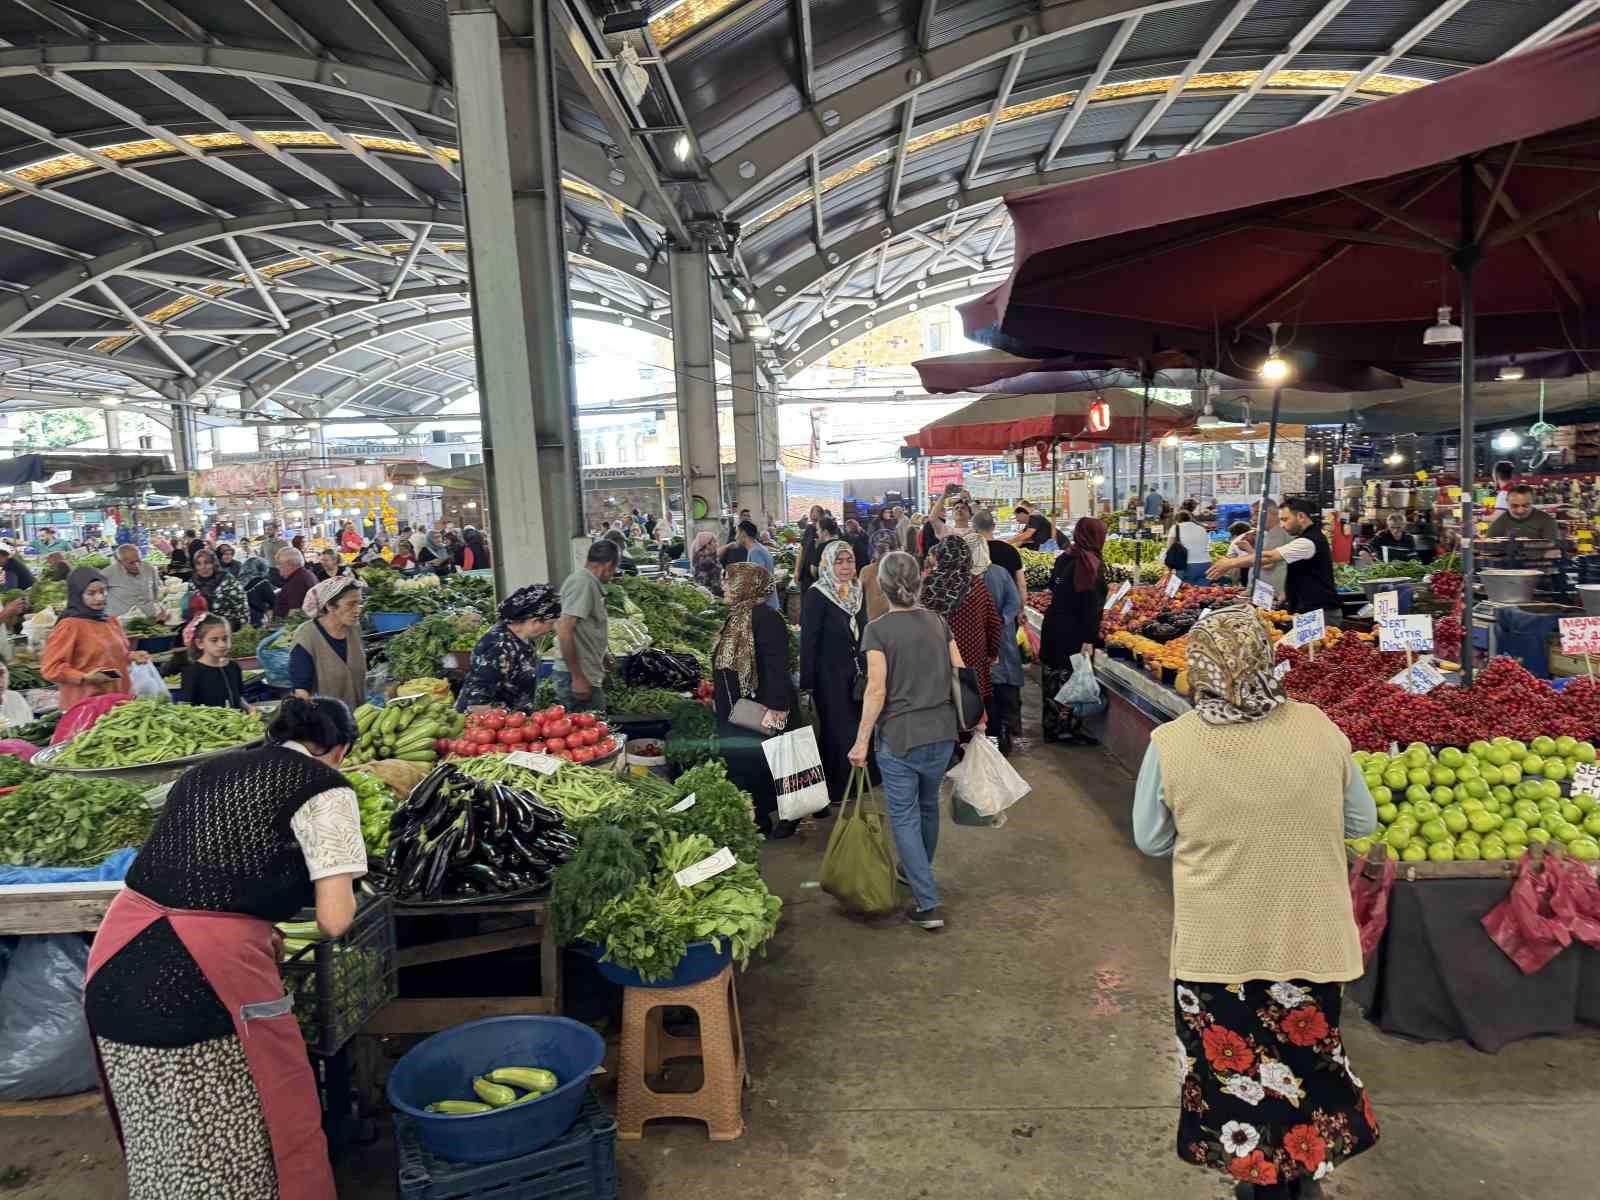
(213, 679)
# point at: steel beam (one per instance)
(694, 365)
(1556, 27)
(1002, 97)
(504, 60)
(746, 426)
(1383, 62)
(804, 53)
(772, 500)
(335, 398)
(1210, 46)
(267, 384)
(403, 47)
(902, 147)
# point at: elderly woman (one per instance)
(505, 662)
(751, 661)
(87, 654)
(206, 1071)
(1072, 625)
(1004, 708)
(1262, 927)
(227, 556)
(831, 621)
(327, 657)
(703, 561)
(294, 582)
(969, 611)
(222, 593)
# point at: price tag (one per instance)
(1420, 678)
(683, 805)
(545, 764)
(1174, 582)
(1385, 605)
(1406, 633)
(703, 870)
(1580, 635)
(1282, 669)
(1127, 607)
(1263, 596)
(1585, 779)
(1308, 627)
(1122, 591)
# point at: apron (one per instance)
(234, 952)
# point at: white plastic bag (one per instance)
(146, 683)
(1082, 687)
(796, 767)
(985, 780)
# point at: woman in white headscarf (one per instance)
(832, 619)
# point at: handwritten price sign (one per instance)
(1385, 605)
(1111, 601)
(1308, 627)
(1174, 582)
(1419, 678)
(1580, 635)
(1263, 596)
(1406, 633)
(1585, 776)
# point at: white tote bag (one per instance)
(985, 780)
(146, 683)
(796, 767)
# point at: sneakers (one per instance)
(1021, 745)
(929, 918)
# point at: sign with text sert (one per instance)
(1406, 633)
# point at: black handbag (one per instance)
(964, 694)
(1177, 557)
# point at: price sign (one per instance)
(1580, 635)
(1308, 627)
(1263, 596)
(1282, 669)
(1385, 605)
(1420, 678)
(545, 764)
(703, 870)
(1122, 591)
(1174, 582)
(1406, 633)
(1127, 607)
(1585, 779)
(683, 805)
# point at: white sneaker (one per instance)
(1021, 745)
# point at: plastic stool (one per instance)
(646, 1045)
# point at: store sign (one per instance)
(706, 868)
(1580, 635)
(1385, 605)
(1230, 485)
(235, 480)
(1099, 415)
(1308, 627)
(1420, 678)
(941, 475)
(1585, 780)
(1406, 633)
(1263, 596)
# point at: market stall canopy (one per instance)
(1343, 229)
(996, 424)
(1413, 407)
(89, 471)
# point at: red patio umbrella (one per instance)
(996, 424)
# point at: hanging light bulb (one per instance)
(422, 481)
(1313, 459)
(1395, 458)
(1442, 332)
(1098, 480)
(1511, 373)
(1276, 369)
(1507, 439)
(1172, 439)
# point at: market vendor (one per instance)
(44, 542)
(327, 657)
(56, 567)
(1308, 578)
(133, 586)
(293, 582)
(87, 654)
(14, 572)
(582, 631)
(1521, 520)
(204, 1066)
(1393, 537)
(505, 662)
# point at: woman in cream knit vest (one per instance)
(1262, 931)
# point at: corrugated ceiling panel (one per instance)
(1271, 25)
(955, 20)
(1373, 24)
(855, 38)
(1483, 29)
(1175, 33)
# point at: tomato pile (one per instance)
(576, 737)
(1040, 601)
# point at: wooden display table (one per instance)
(55, 907)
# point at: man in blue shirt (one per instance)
(1153, 502)
(749, 541)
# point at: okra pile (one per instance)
(143, 733)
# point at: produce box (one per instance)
(580, 1165)
(338, 983)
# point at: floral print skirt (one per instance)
(1268, 1094)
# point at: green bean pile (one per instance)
(146, 732)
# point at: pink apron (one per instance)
(234, 952)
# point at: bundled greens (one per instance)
(721, 811)
(246, 641)
(25, 675)
(39, 731)
(144, 732)
(607, 865)
(693, 736)
(66, 822)
(420, 650)
(14, 771)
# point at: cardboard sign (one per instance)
(1420, 678)
(1263, 596)
(1282, 669)
(1127, 607)
(1174, 582)
(703, 870)
(545, 764)
(1308, 627)
(683, 805)
(1406, 633)
(1580, 635)
(1585, 779)
(1111, 601)
(1385, 605)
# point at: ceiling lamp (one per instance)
(1507, 439)
(1172, 439)
(110, 400)
(1276, 369)
(681, 147)
(1098, 480)
(422, 481)
(1442, 332)
(1313, 459)
(1395, 458)
(1511, 373)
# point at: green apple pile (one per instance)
(1489, 801)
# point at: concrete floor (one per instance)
(1025, 1052)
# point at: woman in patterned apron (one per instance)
(204, 1068)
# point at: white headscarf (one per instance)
(848, 598)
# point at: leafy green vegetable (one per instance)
(420, 650)
(38, 732)
(721, 811)
(693, 736)
(66, 822)
(14, 771)
(607, 865)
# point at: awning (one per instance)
(89, 471)
(996, 424)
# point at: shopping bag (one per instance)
(146, 682)
(796, 767)
(1575, 901)
(85, 713)
(1082, 691)
(273, 658)
(1371, 881)
(1523, 925)
(858, 866)
(985, 781)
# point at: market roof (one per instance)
(199, 197)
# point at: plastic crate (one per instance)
(339, 983)
(580, 1165)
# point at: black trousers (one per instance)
(1004, 710)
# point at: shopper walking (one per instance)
(1262, 928)
(831, 621)
(86, 654)
(750, 661)
(207, 1076)
(221, 592)
(749, 539)
(1191, 535)
(582, 630)
(1078, 584)
(909, 654)
(327, 657)
(703, 562)
(1004, 707)
(969, 611)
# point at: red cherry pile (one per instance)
(1445, 585)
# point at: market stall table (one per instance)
(1136, 702)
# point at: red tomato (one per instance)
(567, 755)
(516, 719)
(583, 720)
(509, 737)
(602, 728)
(483, 737)
(559, 728)
(583, 755)
(605, 747)
(590, 737)
(536, 747)
(554, 713)
(555, 745)
(493, 719)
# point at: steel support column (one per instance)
(772, 502)
(694, 365)
(185, 451)
(506, 97)
(113, 431)
(746, 427)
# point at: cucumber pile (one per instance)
(404, 729)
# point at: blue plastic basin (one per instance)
(389, 622)
(443, 1067)
(699, 963)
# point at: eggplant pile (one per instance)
(456, 837)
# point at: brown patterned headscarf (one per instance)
(946, 585)
(744, 585)
(1230, 667)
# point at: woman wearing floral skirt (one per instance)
(1263, 933)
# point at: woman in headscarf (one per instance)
(750, 661)
(222, 593)
(475, 551)
(703, 562)
(969, 611)
(87, 654)
(1005, 680)
(255, 578)
(227, 560)
(431, 549)
(831, 621)
(327, 657)
(1072, 625)
(1262, 928)
(505, 662)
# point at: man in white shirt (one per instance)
(132, 584)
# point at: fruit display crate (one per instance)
(580, 1165)
(338, 984)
